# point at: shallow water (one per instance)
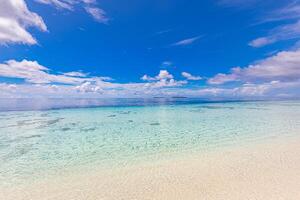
(35, 143)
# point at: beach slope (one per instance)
(268, 170)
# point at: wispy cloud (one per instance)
(163, 32)
(289, 16)
(98, 14)
(166, 64)
(89, 5)
(67, 4)
(291, 11)
(58, 3)
(187, 41)
(283, 32)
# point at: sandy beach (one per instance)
(268, 170)
(150, 100)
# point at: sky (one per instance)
(212, 49)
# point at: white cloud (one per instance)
(163, 74)
(273, 89)
(98, 14)
(187, 41)
(147, 78)
(189, 76)
(284, 66)
(40, 81)
(163, 79)
(269, 90)
(89, 87)
(222, 78)
(15, 19)
(262, 41)
(75, 74)
(284, 32)
(266, 79)
(65, 4)
(291, 11)
(165, 83)
(33, 72)
(90, 7)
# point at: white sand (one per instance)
(263, 171)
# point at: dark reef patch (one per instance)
(88, 129)
(217, 107)
(65, 129)
(124, 112)
(155, 124)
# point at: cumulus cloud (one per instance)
(189, 76)
(284, 66)
(275, 77)
(163, 74)
(41, 81)
(163, 79)
(147, 78)
(15, 19)
(89, 87)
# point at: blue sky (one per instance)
(244, 49)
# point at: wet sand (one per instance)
(265, 171)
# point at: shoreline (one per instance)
(264, 170)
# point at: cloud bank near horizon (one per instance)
(277, 76)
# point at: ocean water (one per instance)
(34, 144)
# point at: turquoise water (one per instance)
(35, 143)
